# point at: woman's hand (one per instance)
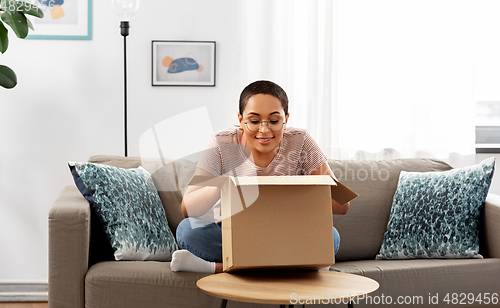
(338, 209)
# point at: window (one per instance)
(488, 127)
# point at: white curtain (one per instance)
(368, 79)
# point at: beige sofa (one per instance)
(123, 284)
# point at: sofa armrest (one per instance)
(69, 239)
(492, 226)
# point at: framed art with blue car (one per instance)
(183, 63)
(63, 20)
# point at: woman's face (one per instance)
(263, 107)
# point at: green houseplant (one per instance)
(13, 14)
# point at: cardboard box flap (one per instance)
(341, 193)
(208, 180)
(283, 180)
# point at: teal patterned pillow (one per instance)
(129, 209)
(436, 214)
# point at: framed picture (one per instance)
(63, 20)
(183, 63)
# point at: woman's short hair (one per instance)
(263, 87)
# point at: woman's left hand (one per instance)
(339, 209)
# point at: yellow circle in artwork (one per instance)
(57, 12)
(166, 61)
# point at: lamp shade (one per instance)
(125, 8)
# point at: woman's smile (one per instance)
(264, 140)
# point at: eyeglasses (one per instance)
(273, 125)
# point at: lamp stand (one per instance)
(125, 26)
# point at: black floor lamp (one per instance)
(125, 9)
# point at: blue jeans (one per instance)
(203, 238)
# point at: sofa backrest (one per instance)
(361, 229)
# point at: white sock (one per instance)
(185, 261)
(325, 269)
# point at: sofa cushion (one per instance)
(362, 228)
(436, 214)
(129, 209)
(143, 284)
(428, 279)
(148, 284)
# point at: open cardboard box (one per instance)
(277, 221)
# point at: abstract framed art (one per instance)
(183, 63)
(63, 20)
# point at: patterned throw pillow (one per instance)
(436, 214)
(129, 210)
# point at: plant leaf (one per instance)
(8, 78)
(30, 9)
(4, 38)
(30, 25)
(18, 23)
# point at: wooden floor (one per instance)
(24, 305)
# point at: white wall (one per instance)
(487, 65)
(68, 105)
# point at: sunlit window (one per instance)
(488, 127)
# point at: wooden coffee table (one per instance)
(288, 287)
